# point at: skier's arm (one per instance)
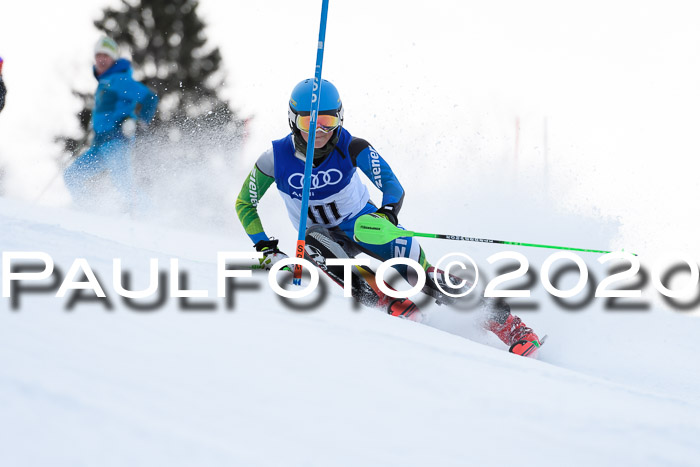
(367, 159)
(140, 98)
(253, 189)
(147, 101)
(149, 104)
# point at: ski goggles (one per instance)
(324, 123)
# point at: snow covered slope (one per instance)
(266, 385)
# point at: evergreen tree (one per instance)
(170, 54)
(77, 145)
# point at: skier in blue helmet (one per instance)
(329, 119)
(338, 197)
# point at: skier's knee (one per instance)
(73, 181)
(319, 239)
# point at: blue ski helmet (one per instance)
(300, 102)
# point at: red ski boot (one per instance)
(513, 332)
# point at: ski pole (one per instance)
(315, 102)
(378, 231)
(61, 167)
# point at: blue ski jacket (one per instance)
(118, 97)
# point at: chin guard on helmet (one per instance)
(319, 153)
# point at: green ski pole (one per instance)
(376, 230)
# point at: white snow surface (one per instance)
(264, 385)
(534, 122)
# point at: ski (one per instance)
(366, 291)
(527, 349)
(364, 284)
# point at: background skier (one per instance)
(3, 89)
(338, 197)
(120, 102)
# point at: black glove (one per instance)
(388, 213)
(271, 254)
(269, 246)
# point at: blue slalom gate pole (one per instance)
(315, 102)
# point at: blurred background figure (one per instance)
(3, 89)
(182, 164)
(121, 105)
(3, 92)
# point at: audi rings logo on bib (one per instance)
(321, 179)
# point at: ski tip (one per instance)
(405, 308)
(527, 348)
